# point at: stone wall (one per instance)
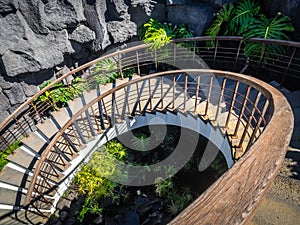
(40, 36)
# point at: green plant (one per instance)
(141, 142)
(115, 148)
(155, 33)
(159, 34)
(60, 94)
(244, 12)
(90, 206)
(245, 19)
(6, 152)
(222, 17)
(179, 201)
(92, 183)
(163, 186)
(106, 71)
(262, 27)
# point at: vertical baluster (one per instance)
(20, 125)
(288, 66)
(232, 104)
(261, 59)
(208, 97)
(241, 112)
(173, 94)
(174, 54)
(249, 120)
(5, 142)
(150, 94)
(162, 91)
(253, 136)
(105, 112)
(215, 53)
(138, 63)
(36, 112)
(237, 55)
(185, 90)
(197, 92)
(120, 66)
(220, 99)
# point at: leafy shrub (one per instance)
(106, 71)
(245, 19)
(158, 34)
(58, 95)
(6, 152)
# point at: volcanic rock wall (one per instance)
(38, 37)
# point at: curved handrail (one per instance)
(279, 141)
(288, 66)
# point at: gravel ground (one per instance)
(282, 203)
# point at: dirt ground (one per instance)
(282, 203)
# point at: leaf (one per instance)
(222, 17)
(245, 11)
(262, 27)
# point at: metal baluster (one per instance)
(221, 98)
(174, 86)
(232, 104)
(150, 94)
(208, 98)
(120, 67)
(249, 120)
(237, 55)
(253, 136)
(185, 90)
(242, 111)
(288, 67)
(197, 92)
(138, 63)
(162, 92)
(215, 53)
(20, 125)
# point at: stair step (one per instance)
(47, 128)
(11, 217)
(35, 143)
(75, 105)
(11, 197)
(22, 158)
(60, 117)
(11, 176)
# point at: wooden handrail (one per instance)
(223, 195)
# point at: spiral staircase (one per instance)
(240, 114)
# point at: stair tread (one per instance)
(47, 128)
(61, 117)
(22, 158)
(35, 143)
(11, 197)
(14, 177)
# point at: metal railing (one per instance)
(161, 91)
(256, 115)
(227, 55)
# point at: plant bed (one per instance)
(95, 199)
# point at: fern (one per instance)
(244, 12)
(262, 27)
